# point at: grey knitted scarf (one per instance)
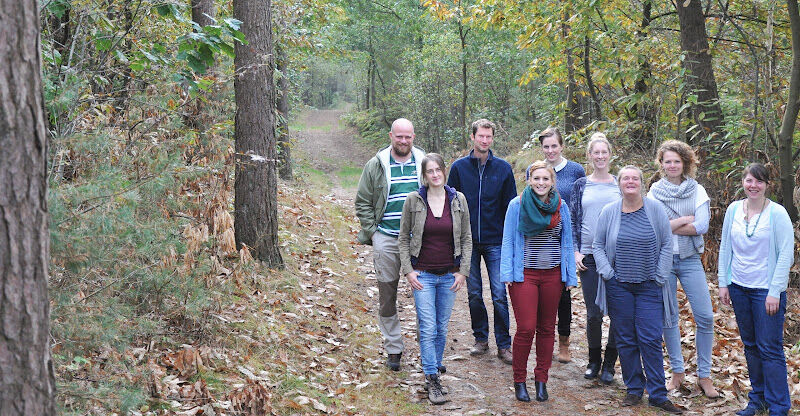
(680, 202)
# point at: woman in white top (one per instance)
(755, 255)
(687, 206)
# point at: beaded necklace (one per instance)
(747, 219)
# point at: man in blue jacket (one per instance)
(488, 183)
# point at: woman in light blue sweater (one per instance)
(755, 256)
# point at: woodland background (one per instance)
(154, 305)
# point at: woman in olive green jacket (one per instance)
(435, 245)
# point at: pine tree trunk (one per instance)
(700, 72)
(786, 134)
(256, 184)
(284, 146)
(27, 380)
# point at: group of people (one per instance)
(630, 250)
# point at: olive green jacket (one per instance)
(412, 225)
(373, 190)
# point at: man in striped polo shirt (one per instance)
(385, 182)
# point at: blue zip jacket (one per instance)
(511, 268)
(488, 190)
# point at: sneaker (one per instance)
(631, 400)
(480, 348)
(668, 407)
(393, 361)
(445, 389)
(435, 394)
(504, 354)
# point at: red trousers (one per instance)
(535, 303)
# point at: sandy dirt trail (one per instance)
(478, 385)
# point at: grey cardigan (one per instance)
(605, 245)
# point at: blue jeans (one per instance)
(477, 309)
(434, 302)
(637, 310)
(762, 336)
(693, 280)
(594, 316)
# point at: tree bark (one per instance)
(786, 133)
(700, 72)
(256, 184)
(462, 34)
(572, 115)
(284, 147)
(203, 12)
(645, 132)
(27, 380)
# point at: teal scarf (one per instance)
(536, 215)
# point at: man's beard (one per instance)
(400, 153)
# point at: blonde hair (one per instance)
(597, 137)
(684, 151)
(541, 164)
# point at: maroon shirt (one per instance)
(437, 241)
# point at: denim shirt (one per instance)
(511, 254)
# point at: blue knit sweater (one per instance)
(566, 177)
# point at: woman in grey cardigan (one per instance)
(633, 251)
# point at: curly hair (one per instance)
(684, 151)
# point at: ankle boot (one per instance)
(563, 349)
(541, 391)
(607, 375)
(595, 360)
(521, 392)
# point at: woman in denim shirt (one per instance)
(755, 256)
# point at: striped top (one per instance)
(636, 251)
(543, 251)
(402, 182)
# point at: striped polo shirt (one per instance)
(637, 254)
(543, 251)
(403, 181)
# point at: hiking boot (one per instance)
(435, 394)
(480, 348)
(668, 407)
(631, 400)
(393, 361)
(504, 354)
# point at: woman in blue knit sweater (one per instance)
(567, 172)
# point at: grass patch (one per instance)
(349, 176)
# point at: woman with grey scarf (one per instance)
(687, 206)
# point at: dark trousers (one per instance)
(594, 316)
(564, 313)
(762, 336)
(535, 301)
(637, 310)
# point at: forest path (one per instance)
(478, 385)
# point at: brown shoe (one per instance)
(480, 348)
(563, 349)
(675, 382)
(668, 407)
(504, 354)
(707, 386)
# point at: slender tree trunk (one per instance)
(256, 185)
(462, 34)
(700, 72)
(284, 146)
(573, 110)
(27, 380)
(786, 133)
(645, 133)
(587, 69)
